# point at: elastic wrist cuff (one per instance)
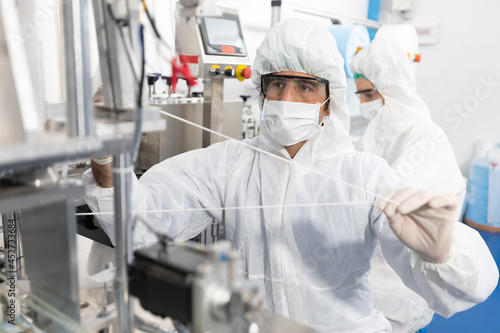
(102, 160)
(434, 261)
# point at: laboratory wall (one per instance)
(459, 75)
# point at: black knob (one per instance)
(152, 78)
(216, 71)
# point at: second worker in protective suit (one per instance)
(310, 211)
(401, 131)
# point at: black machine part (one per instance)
(161, 278)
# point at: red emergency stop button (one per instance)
(247, 72)
(243, 72)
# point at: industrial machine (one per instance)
(37, 201)
(211, 42)
(211, 45)
(38, 195)
(204, 288)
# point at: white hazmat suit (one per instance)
(403, 133)
(311, 263)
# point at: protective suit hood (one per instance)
(303, 46)
(387, 66)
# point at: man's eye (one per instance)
(276, 84)
(305, 87)
(308, 87)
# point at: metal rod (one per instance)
(275, 12)
(79, 104)
(115, 22)
(69, 53)
(213, 99)
(19, 248)
(107, 53)
(123, 232)
(207, 111)
(82, 49)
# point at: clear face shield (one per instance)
(305, 89)
(368, 95)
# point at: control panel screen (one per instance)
(222, 36)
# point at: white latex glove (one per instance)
(422, 221)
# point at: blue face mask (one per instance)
(289, 123)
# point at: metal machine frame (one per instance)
(213, 68)
(47, 208)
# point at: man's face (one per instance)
(366, 91)
(289, 86)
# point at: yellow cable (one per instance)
(144, 9)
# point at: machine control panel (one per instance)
(241, 72)
(213, 45)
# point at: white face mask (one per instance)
(289, 122)
(370, 109)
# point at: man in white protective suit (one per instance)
(315, 210)
(401, 131)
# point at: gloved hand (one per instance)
(422, 221)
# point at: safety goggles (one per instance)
(368, 94)
(304, 88)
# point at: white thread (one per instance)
(233, 208)
(291, 162)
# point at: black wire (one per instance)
(153, 25)
(137, 136)
(152, 21)
(143, 65)
(138, 123)
(119, 22)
